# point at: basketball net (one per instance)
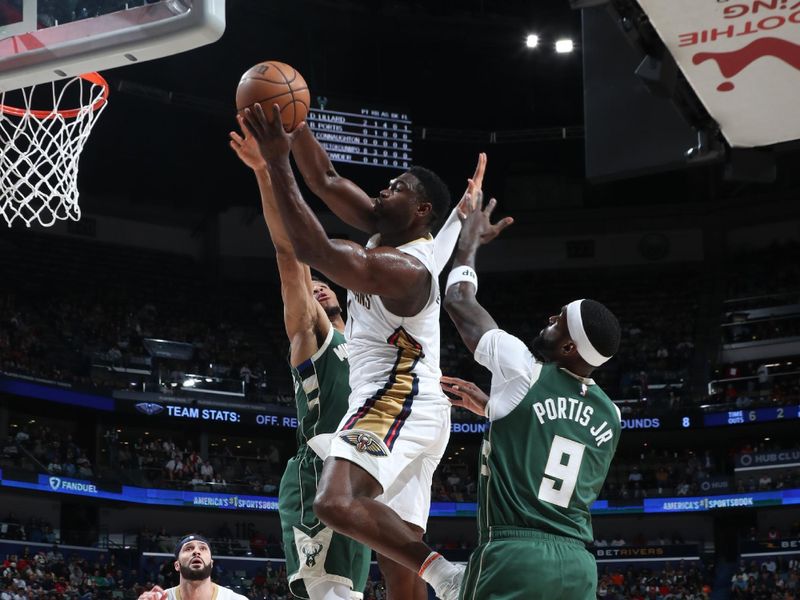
(40, 149)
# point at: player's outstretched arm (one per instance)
(446, 239)
(347, 201)
(303, 317)
(469, 317)
(384, 271)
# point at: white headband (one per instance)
(578, 335)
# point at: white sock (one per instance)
(328, 590)
(436, 570)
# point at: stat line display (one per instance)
(363, 136)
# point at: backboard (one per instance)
(46, 40)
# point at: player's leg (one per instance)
(401, 582)
(409, 496)
(346, 503)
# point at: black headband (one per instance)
(192, 537)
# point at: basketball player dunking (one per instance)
(375, 485)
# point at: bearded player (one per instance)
(321, 564)
(194, 564)
(376, 482)
(549, 444)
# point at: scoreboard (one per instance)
(361, 135)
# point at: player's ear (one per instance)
(569, 347)
(177, 565)
(424, 208)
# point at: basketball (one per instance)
(273, 82)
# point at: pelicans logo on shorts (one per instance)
(365, 441)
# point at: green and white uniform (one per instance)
(315, 553)
(544, 458)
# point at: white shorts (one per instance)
(399, 448)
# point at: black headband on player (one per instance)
(192, 537)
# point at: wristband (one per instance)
(460, 274)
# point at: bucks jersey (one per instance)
(321, 388)
(386, 348)
(548, 447)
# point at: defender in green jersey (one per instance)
(320, 563)
(549, 444)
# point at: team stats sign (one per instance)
(742, 58)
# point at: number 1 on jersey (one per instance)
(557, 470)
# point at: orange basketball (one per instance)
(273, 82)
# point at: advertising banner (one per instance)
(742, 58)
(750, 461)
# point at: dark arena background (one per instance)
(144, 388)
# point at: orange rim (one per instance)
(71, 113)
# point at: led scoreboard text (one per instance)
(363, 136)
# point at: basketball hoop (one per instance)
(40, 149)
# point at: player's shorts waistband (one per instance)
(516, 533)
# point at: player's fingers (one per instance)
(276, 118)
(479, 169)
(250, 124)
(490, 207)
(503, 223)
(236, 138)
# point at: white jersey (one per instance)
(387, 351)
(218, 593)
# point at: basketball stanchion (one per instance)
(40, 148)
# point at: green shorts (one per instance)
(313, 552)
(527, 564)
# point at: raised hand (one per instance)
(273, 141)
(478, 229)
(473, 196)
(465, 394)
(154, 594)
(246, 147)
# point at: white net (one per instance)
(40, 149)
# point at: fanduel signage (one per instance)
(69, 486)
(748, 461)
(741, 58)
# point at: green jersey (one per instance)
(547, 450)
(322, 388)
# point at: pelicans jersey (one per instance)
(398, 422)
(218, 593)
(386, 347)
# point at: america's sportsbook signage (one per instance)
(228, 501)
(742, 58)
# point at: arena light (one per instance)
(564, 46)
(532, 40)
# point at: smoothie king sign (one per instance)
(742, 58)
